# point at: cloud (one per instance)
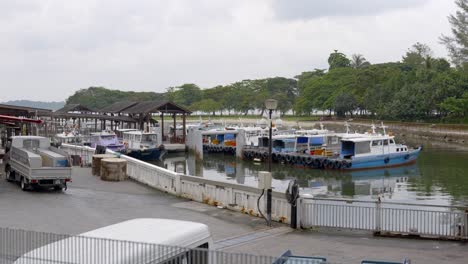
(311, 9)
(51, 48)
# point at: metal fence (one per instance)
(29, 247)
(446, 222)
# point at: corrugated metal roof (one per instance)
(117, 107)
(74, 108)
(154, 107)
(14, 110)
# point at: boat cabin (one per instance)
(104, 138)
(371, 145)
(141, 140)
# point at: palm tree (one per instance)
(358, 61)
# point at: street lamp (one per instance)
(270, 105)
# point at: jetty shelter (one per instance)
(144, 112)
(79, 113)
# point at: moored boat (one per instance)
(106, 139)
(143, 145)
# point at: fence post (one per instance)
(178, 184)
(465, 224)
(378, 220)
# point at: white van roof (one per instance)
(154, 231)
(148, 231)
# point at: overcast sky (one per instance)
(51, 48)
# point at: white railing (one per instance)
(385, 218)
(227, 195)
(86, 153)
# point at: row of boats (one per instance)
(320, 148)
(144, 145)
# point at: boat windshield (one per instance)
(150, 138)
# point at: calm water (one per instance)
(439, 177)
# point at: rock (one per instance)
(96, 164)
(113, 169)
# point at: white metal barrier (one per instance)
(385, 218)
(232, 196)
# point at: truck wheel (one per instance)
(58, 188)
(23, 184)
(9, 175)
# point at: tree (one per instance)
(345, 103)
(457, 44)
(456, 106)
(418, 55)
(338, 60)
(207, 106)
(358, 61)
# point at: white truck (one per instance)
(32, 161)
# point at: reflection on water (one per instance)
(439, 177)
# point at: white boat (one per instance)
(143, 145)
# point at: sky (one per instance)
(51, 48)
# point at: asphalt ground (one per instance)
(90, 203)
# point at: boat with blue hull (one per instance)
(142, 145)
(146, 154)
(376, 151)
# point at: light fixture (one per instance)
(271, 104)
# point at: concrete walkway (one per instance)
(90, 203)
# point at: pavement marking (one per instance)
(249, 237)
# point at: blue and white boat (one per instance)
(106, 139)
(143, 145)
(376, 151)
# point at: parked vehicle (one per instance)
(137, 241)
(32, 161)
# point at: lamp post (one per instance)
(270, 105)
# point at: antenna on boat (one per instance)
(383, 127)
(347, 127)
(373, 128)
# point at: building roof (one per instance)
(155, 107)
(14, 110)
(117, 107)
(94, 116)
(74, 108)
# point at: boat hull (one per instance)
(147, 154)
(385, 160)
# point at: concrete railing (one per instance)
(217, 193)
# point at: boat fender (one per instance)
(274, 157)
(387, 160)
(316, 163)
(288, 158)
(265, 155)
(337, 164)
(309, 160)
(344, 164)
(245, 154)
(233, 150)
(304, 160)
(349, 165)
(406, 156)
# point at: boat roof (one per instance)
(139, 132)
(368, 138)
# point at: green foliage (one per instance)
(100, 97)
(420, 87)
(457, 44)
(36, 104)
(338, 60)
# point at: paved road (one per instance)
(90, 203)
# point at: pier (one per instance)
(382, 218)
